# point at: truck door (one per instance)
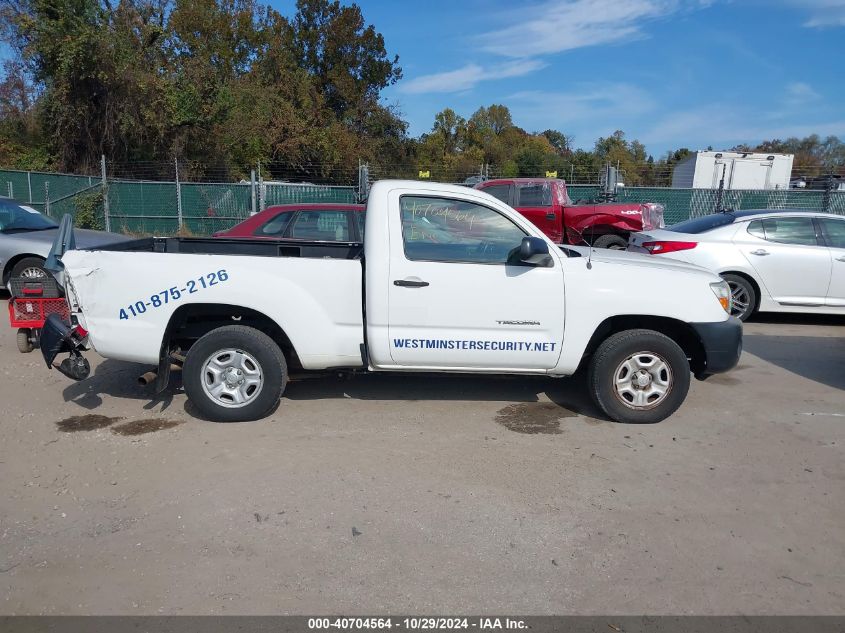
(535, 201)
(453, 300)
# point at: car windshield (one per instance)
(702, 224)
(18, 217)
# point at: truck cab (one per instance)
(546, 203)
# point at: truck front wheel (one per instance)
(639, 376)
(234, 374)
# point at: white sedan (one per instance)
(775, 260)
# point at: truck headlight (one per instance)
(723, 293)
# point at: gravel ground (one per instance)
(430, 494)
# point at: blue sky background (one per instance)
(670, 73)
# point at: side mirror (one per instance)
(534, 252)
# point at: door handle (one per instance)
(760, 252)
(409, 283)
(841, 259)
(550, 216)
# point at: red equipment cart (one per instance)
(33, 300)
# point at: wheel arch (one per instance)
(750, 278)
(7, 269)
(679, 331)
(191, 321)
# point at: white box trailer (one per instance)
(741, 170)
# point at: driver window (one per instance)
(444, 230)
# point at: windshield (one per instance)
(702, 224)
(17, 217)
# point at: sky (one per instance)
(670, 73)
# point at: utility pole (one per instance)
(178, 193)
(106, 212)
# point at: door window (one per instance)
(324, 226)
(535, 195)
(445, 230)
(275, 225)
(799, 231)
(500, 192)
(835, 232)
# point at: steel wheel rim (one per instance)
(642, 381)
(740, 300)
(232, 378)
(32, 272)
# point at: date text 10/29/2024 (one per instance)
(417, 623)
(173, 294)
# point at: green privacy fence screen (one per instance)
(152, 207)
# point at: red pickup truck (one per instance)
(547, 204)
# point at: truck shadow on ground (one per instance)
(568, 394)
(817, 358)
(118, 379)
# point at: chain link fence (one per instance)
(145, 207)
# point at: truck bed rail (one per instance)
(240, 246)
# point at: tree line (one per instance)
(223, 85)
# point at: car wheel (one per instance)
(234, 374)
(30, 268)
(639, 376)
(743, 296)
(613, 242)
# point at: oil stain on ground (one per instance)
(140, 427)
(533, 417)
(90, 422)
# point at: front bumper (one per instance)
(722, 343)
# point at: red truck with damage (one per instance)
(546, 202)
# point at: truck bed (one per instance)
(240, 246)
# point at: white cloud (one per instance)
(719, 125)
(800, 93)
(606, 104)
(823, 13)
(468, 76)
(559, 25)
(550, 27)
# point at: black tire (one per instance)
(614, 242)
(29, 264)
(743, 295)
(622, 347)
(272, 369)
(24, 340)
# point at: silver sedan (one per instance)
(26, 237)
(775, 260)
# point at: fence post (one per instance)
(253, 202)
(178, 194)
(47, 198)
(261, 192)
(106, 211)
(11, 190)
(29, 185)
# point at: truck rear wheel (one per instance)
(639, 376)
(234, 374)
(613, 242)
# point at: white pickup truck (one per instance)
(448, 279)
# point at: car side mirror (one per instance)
(534, 252)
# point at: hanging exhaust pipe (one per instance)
(148, 378)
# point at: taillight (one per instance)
(80, 331)
(658, 248)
